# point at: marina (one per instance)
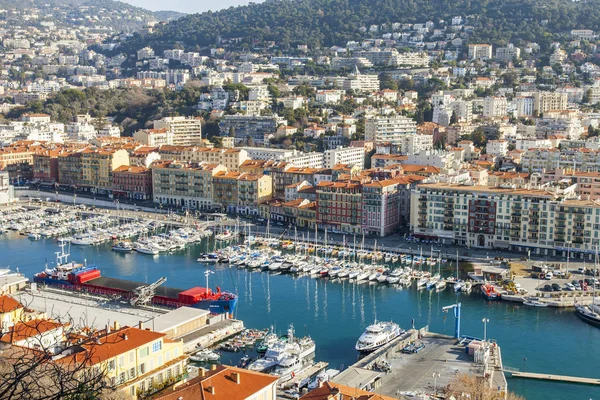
(336, 311)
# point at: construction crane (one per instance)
(143, 294)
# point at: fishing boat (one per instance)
(489, 292)
(377, 335)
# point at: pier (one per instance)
(440, 360)
(551, 377)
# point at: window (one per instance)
(132, 373)
(142, 368)
(144, 352)
(156, 346)
(121, 361)
(111, 365)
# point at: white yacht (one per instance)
(205, 355)
(377, 335)
(272, 358)
(287, 367)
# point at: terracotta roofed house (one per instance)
(223, 383)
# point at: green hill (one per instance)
(333, 22)
(67, 13)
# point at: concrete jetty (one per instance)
(551, 377)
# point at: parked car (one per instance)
(576, 284)
(556, 287)
(569, 287)
(547, 288)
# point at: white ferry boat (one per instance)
(377, 335)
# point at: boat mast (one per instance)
(207, 273)
(457, 265)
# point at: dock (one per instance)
(305, 373)
(551, 377)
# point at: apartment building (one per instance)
(252, 190)
(498, 148)
(508, 53)
(479, 52)
(545, 222)
(339, 206)
(154, 137)
(307, 160)
(70, 171)
(588, 183)
(15, 155)
(186, 131)
(132, 182)
(361, 82)
(389, 129)
(329, 96)
(516, 179)
(380, 207)
(495, 107)
(45, 165)
(97, 166)
(570, 128)
(246, 127)
(184, 185)
(269, 154)
(231, 158)
(137, 362)
(354, 156)
(549, 101)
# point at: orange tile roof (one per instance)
(293, 203)
(113, 344)
(223, 383)
(339, 185)
(228, 175)
(131, 169)
(8, 304)
(25, 330)
(330, 389)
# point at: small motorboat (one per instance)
(123, 247)
(205, 355)
(534, 302)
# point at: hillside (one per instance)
(110, 14)
(333, 22)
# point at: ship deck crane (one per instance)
(143, 294)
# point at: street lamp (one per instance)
(435, 376)
(485, 321)
(524, 363)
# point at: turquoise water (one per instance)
(335, 313)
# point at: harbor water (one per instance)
(334, 313)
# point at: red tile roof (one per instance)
(8, 304)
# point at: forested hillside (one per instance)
(329, 22)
